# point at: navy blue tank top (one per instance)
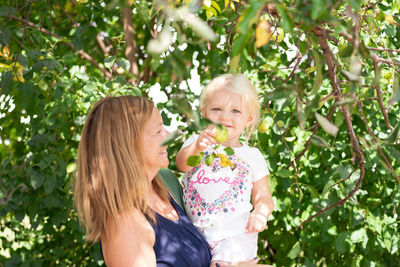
(179, 243)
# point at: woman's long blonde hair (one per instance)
(111, 176)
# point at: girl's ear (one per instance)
(249, 120)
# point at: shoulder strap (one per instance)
(173, 185)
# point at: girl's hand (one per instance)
(206, 138)
(257, 222)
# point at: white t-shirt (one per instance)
(217, 199)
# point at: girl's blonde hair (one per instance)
(238, 84)
(111, 177)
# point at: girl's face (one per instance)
(226, 108)
(155, 156)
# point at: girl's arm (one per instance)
(263, 205)
(129, 242)
(205, 139)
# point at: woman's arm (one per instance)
(129, 242)
(263, 205)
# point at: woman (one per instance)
(119, 197)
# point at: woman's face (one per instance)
(155, 156)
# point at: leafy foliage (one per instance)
(328, 75)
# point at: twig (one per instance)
(82, 53)
(76, 24)
(383, 49)
(341, 202)
(378, 91)
(299, 58)
(341, 181)
(375, 141)
(315, 128)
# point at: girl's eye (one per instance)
(216, 109)
(236, 111)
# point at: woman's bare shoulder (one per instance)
(129, 241)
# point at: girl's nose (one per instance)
(224, 116)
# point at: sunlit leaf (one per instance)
(328, 127)
(395, 89)
(125, 64)
(319, 141)
(197, 24)
(229, 151)
(209, 159)
(294, 252)
(394, 135)
(263, 33)
(193, 161)
(161, 43)
(172, 137)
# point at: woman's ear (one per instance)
(203, 112)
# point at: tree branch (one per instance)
(378, 90)
(82, 53)
(341, 202)
(375, 141)
(131, 46)
(330, 61)
(299, 58)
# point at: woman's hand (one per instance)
(238, 264)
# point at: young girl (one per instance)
(218, 199)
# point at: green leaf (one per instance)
(5, 11)
(284, 173)
(319, 8)
(327, 187)
(109, 61)
(356, 4)
(123, 63)
(161, 43)
(394, 135)
(19, 214)
(328, 127)
(358, 235)
(229, 151)
(319, 141)
(250, 16)
(209, 159)
(71, 167)
(294, 252)
(172, 137)
(49, 184)
(395, 89)
(318, 63)
(240, 41)
(287, 21)
(197, 24)
(36, 178)
(340, 242)
(193, 161)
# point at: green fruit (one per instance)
(280, 124)
(221, 134)
(263, 126)
(278, 35)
